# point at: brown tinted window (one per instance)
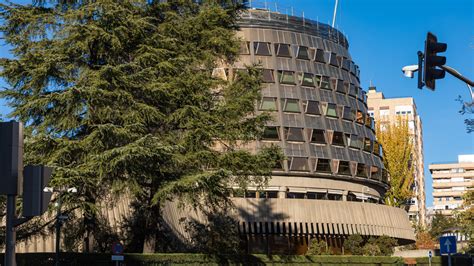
(324, 166)
(361, 170)
(267, 76)
(344, 168)
(262, 48)
(299, 164)
(303, 53)
(338, 138)
(311, 107)
(282, 50)
(318, 136)
(294, 134)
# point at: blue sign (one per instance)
(117, 249)
(430, 254)
(447, 245)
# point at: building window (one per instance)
(291, 105)
(244, 48)
(268, 104)
(333, 60)
(367, 145)
(353, 90)
(271, 133)
(325, 83)
(318, 136)
(334, 196)
(282, 50)
(356, 142)
(316, 195)
(344, 168)
(361, 170)
(377, 148)
(268, 194)
(250, 194)
(331, 110)
(340, 86)
(338, 138)
(295, 195)
(286, 77)
(262, 48)
(360, 117)
(303, 53)
(323, 166)
(320, 56)
(374, 172)
(294, 134)
(306, 79)
(299, 164)
(311, 107)
(267, 76)
(347, 114)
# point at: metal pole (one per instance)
(458, 75)
(58, 230)
(10, 231)
(334, 15)
(449, 259)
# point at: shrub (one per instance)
(386, 245)
(353, 244)
(317, 247)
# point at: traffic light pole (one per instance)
(458, 75)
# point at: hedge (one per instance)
(94, 259)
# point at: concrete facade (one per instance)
(450, 182)
(388, 110)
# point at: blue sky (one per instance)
(383, 37)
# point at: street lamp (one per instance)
(59, 217)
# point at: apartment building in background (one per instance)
(450, 181)
(387, 110)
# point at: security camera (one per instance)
(409, 70)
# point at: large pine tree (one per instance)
(118, 95)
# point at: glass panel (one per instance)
(333, 60)
(344, 168)
(282, 50)
(267, 76)
(272, 194)
(353, 90)
(361, 170)
(299, 164)
(356, 142)
(306, 79)
(244, 48)
(374, 172)
(286, 77)
(292, 106)
(295, 195)
(376, 148)
(331, 110)
(268, 104)
(338, 138)
(250, 194)
(323, 166)
(262, 48)
(340, 86)
(294, 134)
(367, 145)
(325, 83)
(320, 56)
(312, 108)
(271, 133)
(368, 121)
(303, 53)
(334, 197)
(347, 113)
(360, 117)
(317, 80)
(318, 136)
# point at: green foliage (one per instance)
(73, 259)
(353, 244)
(371, 249)
(219, 236)
(118, 95)
(441, 223)
(398, 157)
(466, 219)
(318, 247)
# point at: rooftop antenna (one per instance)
(334, 15)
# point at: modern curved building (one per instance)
(332, 183)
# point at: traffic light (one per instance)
(433, 60)
(35, 198)
(11, 158)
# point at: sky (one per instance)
(383, 37)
